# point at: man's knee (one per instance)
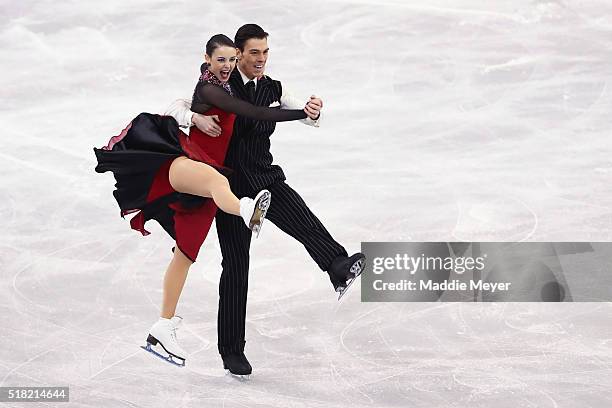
(235, 266)
(233, 282)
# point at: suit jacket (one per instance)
(249, 150)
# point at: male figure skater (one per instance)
(250, 158)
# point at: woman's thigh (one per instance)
(193, 177)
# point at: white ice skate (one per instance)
(253, 211)
(162, 341)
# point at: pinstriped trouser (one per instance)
(287, 211)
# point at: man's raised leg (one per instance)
(289, 212)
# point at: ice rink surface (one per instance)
(443, 120)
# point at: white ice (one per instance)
(444, 120)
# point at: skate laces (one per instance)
(175, 323)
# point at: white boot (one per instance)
(163, 343)
(253, 211)
(176, 321)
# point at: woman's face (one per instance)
(222, 62)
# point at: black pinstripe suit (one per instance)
(250, 158)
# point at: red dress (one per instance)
(191, 225)
(185, 217)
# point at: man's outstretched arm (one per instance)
(181, 111)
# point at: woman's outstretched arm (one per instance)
(214, 95)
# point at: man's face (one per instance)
(252, 61)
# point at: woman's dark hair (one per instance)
(246, 32)
(216, 41)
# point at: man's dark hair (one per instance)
(246, 32)
(216, 41)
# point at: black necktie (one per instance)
(250, 87)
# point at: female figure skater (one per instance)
(164, 175)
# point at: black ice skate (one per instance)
(237, 365)
(344, 270)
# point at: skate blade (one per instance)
(169, 359)
(239, 377)
(256, 229)
(356, 269)
(260, 213)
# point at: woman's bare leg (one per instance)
(193, 177)
(174, 280)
